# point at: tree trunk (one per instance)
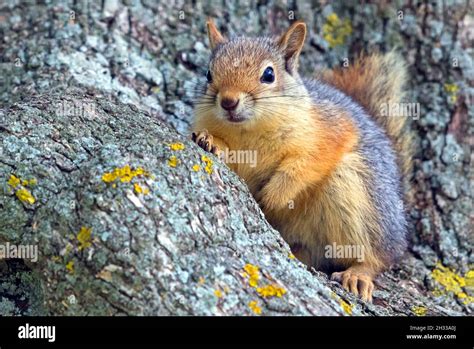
(91, 88)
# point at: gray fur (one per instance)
(378, 153)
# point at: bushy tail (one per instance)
(376, 82)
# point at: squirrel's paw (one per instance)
(273, 196)
(357, 281)
(270, 200)
(205, 141)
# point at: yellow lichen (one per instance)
(419, 310)
(336, 31)
(14, 181)
(452, 90)
(453, 282)
(252, 272)
(32, 182)
(70, 267)
(25, 196)
(173, 161)
(253, 282)
(253, 305)
(470, 279)
(347, 307)
(196, 168)
(124, 174)
(271, 291)
(208, 161)
(218, 293)
(109, 177)
(84, 238)
(140, 190)
(291, 256)
(177, 146)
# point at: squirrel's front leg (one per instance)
(208, 142)
(291, 178)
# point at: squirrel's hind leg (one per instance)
(357, 279)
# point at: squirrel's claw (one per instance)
(205, 141)
(356, 282)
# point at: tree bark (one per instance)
(89, 88)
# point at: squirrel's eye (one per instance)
(268, 76)
(209, 76)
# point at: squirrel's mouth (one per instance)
(232, 116)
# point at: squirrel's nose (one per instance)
(229, 104)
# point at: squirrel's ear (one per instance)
(291, 44)
(215, 37)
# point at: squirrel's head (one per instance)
(253, 78)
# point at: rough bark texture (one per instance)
(131, 69)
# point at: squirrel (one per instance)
(330, 167)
